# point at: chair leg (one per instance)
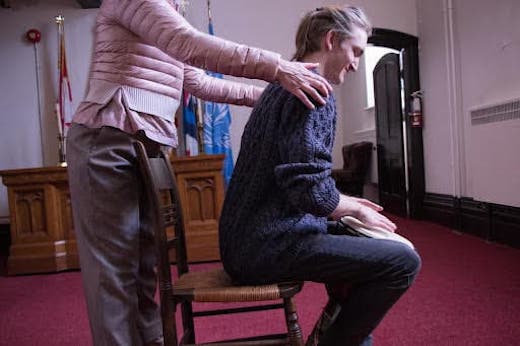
(188, 324)
(293, 326)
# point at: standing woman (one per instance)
(142, 58)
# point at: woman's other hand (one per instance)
(296, 78)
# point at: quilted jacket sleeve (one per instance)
(158, 24)
(198, 83)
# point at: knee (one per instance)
(407, 265)
(412, 262)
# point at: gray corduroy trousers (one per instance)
(111, 223)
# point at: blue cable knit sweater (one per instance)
(281, 187)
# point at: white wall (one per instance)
(459, 159)
(24, 145)
(474, 63)
(438, 148)
(272, 25)
(267, 24)
(490, 74)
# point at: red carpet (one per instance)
(468, 293)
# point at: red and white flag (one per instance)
(64, 97)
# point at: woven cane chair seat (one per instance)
(216, 286)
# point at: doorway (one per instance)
(400, 161)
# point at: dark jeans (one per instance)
(377, 273)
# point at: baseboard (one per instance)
(493, 222)
(474, 217)
(5, 242)
(440, 209)
(505, 223)
(5, 238)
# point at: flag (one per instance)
(217, 120)
(64, 99)
(191, 113)
(189, 124)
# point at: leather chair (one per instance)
(356, 162)
(208, 286)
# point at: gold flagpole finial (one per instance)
(183, 4)
(59, 19)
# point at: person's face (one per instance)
(342, 56)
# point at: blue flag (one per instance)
(217, 120)
(189, 124)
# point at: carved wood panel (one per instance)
(67, 224)
(201, 190)
(30, 213)
(202, 196)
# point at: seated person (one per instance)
(273, 225)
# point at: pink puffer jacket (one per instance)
(142, 56)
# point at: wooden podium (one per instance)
(201, 191)
(42, 236)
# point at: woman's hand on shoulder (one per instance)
(296, 78)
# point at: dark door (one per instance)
(389, 127)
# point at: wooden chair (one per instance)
(201, 286)
(356, 163)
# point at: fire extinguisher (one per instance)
(416, 116)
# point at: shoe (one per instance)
(157, 342)
(327, 317)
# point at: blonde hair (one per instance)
(315, 24)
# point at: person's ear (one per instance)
(330, 37)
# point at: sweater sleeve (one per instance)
(158, 24)
(305, 142)
(208, 88)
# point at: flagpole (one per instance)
(200, 126)
(34, 36)
(60, 116)
(209, 10)
(37, 66)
